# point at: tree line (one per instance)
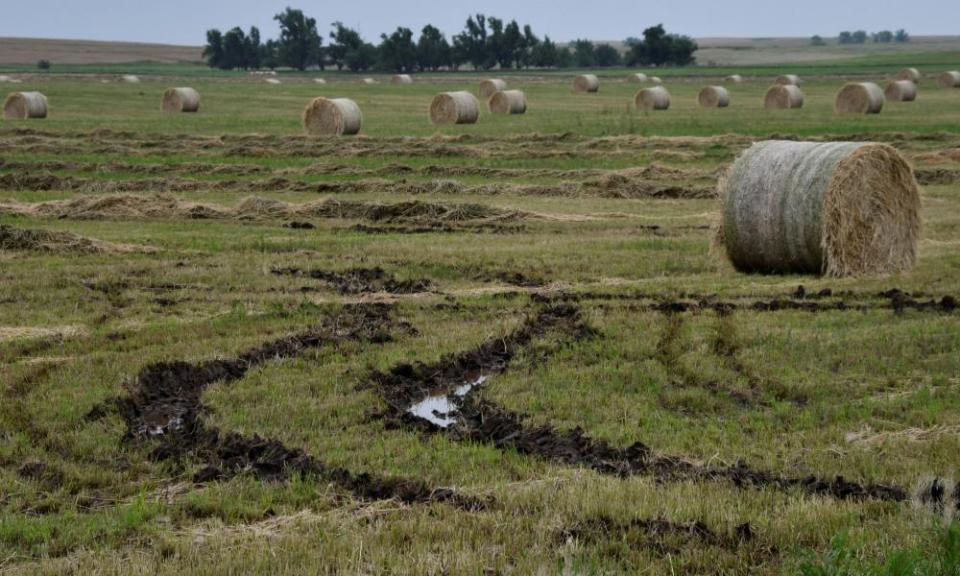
(861, 36)
(485, 43)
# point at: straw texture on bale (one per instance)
(949, 80)
(653, 98)
(454, 108)
(491, 86)
(130, 79)
(586, 83)
(714, 97)
(835, 208)
(508, 102)
(639, 78)
(783, 96)
(401, 79)
(332, 116)
(181, 100)
(901, 91)
(859, 98)
(734, 79)
(788, 80)
(23, 105)
(911, 74)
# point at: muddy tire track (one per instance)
(361, 280)
(660, 536)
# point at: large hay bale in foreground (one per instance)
(332, 116)
(638, 78)
(491, 86)
(454, 108)
(586, 83)
(401, 79)
(836, 208)
(734, 79)
(859, 98)
(911, 74)
(783, 97)
(901, 91)
(714, 97)
(788, 80)
(23, 105)
(181, 100)
(508, 102)
(653, 98)
(949, 80)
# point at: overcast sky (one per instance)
(185, 21)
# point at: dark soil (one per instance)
(660, 536)
(361, 280)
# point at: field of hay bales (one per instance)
(509, 347)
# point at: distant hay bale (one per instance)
(23, 105)
(656, 80)
(586, 83)
(401, 79)
(181, 100)
(273, 81)
(5, 78)
(454, 108)
(130, 79)
(332, 116)
(835, 208)
(783, 97)
(901, 91)
(734, 79)
(369, 81)
(788, 80)
(859, 98)
(319, 81)
(949, 80)
(911, 74)
(508, 102)
(639, 78)
(714, 97)
(653, 98)
(491, 86)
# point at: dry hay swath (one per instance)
(734, 79)
(273, 81)
(12, 238)
(788, 80)
(901, 91)
(181, 100)
(911, 74)
(949, 80)
(401, 79)
(835, 208)
(491, 86)
(130, 79)
(508, 102)
(586, 83)
(783, 96)
(319, 81)
(638, 78)
(859, 98)
(714, 97)
(454, 108)
(23, 105)
(654, 98)
(332, 116)
(369, 81)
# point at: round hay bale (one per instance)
(901, 91)
(638, 78)
(586, 83)
(401, 79)
(508, 102)
(714, 97)
(319, 81)
(788, 80)
(654, 98)
(835, 208)
(130, 79)
(23, 105)
(783, 97)
(491, 86)
(5, 78)
(911, 74)
(454, 108)
(859, 98)
(273, 81)
(181, 100)
(949, 80)
(332, 116)
(734, 79)
(656, 80)
(369, 81)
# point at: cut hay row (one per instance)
(859, 98)
(454, 108)
(332, 116)
(508, 102)
(23, 105)
(491, 86)
(788, 80)
(949, 80)
(12, 238)
(401, 79)
(588, 83)
(734, 79)
(837, 208)
(911, 74)
(901, 91)
(654, 98)
(714, 97)
(180, 100)
(783, 97)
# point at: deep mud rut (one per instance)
(660, 536)
(361, 280)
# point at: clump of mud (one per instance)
(12, 238)
(361, 280)
(660, 536)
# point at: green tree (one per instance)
(300, 44)
(472, 44)
(901, 36)
(345, 41)
(607, 56)
(253, 49)
(361, 58)
(657, 48)
(564, 57)
(883, 37)
(817, 40)
(270, 55)
(845, 37)
(544, 54)
(859, 37)
(584, 54)
(397, 51)
(433, 50)
(234, 49)
(213, 51)
(512, 46)
(530, 44)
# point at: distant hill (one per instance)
(20, 51)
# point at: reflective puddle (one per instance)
(442, 410)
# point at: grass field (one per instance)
(212, 329)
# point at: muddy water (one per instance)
(442, 410)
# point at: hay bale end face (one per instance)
(788, 80)
(836, 208)
(332, 117)
(783, 97)
(24, 105)
(586, 83)
(714, 97)
(901, 91)
(638, 78)
(949, 80)
(859, 98)
(454, 108)
(508, 102)
(401, 79)
(734, 79)
(653, 98)
(491, 86)
(181, 100)
(911, 74)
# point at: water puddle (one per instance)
(442, 410)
